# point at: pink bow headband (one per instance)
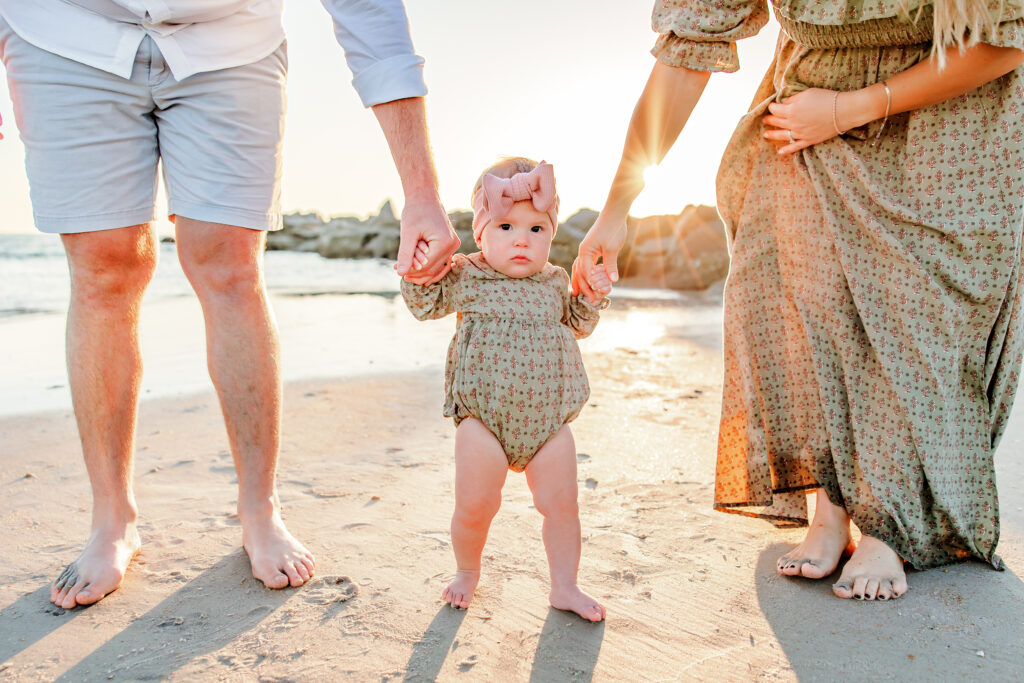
(496, 196)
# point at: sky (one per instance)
(552, 80)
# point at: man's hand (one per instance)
(427, 242)
(603, 241)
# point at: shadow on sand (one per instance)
(28, 620)
(567, 649)
(429, 653)
(184, 625)
(935, 631)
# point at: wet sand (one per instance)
(366, 482)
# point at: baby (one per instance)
(514, 376)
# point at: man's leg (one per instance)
(224, 263)
(109, 273)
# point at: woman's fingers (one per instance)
(580, 275)
(776, 121)
(779, 108)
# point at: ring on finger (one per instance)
(789, 134)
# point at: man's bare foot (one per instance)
(874, 571)
(459, 593)
(100, 568)
(827, 540)
(277, 557)
(572, 599)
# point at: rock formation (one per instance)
(687, 251)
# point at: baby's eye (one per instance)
(536, 228)
(505, 226)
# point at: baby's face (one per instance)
(518, 243)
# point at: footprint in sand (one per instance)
(327, 589)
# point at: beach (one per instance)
(365, 480)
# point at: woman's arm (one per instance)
(660, 114)
(808, 115)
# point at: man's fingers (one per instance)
(406, 250)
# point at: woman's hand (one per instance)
(603, 241)
(804, 119)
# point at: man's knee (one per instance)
(225, 261)
(111, 264)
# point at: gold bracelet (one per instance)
(885, 119)
(835, 123)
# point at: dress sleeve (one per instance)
(429, 302)
(1009, 31)
(702, 34)
(581, 316)
(378, 49)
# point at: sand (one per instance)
(366, 482)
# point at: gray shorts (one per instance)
(93, 139)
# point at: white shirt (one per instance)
(205, 35)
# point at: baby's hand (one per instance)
(600, 283)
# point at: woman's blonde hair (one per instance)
(505, 167)
(959, 22)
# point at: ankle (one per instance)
(260, 508)
(114, 514)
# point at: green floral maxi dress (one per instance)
(873, 335)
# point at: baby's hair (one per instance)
(506, 167)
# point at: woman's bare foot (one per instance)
(826, 542)
(277, 557)
(100, 568)
(874, 571)
(459, 593)
(572, 599)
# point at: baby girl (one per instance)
(514, 376)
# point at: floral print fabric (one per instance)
(873, 336)
(513, 363)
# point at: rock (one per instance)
(348, 238)
(688, 251)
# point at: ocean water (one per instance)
(34, 275)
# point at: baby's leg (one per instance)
(552, 479)
(480, 471)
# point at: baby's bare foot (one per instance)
(572, 599)
(874, 572)
(826, 542)
(277, 558)
(100, 568)
(459, 593)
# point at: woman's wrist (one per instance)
(857, 107)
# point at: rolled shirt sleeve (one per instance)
(702, 34)
(378, 49)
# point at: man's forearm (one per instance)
(404, 123)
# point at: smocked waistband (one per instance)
(885, 32)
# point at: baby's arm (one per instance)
(582, 312)
(428, 302)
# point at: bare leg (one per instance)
(480, 471)
(551, 475)
(225, 266)
(109, 273)
(874, 572)
(826, 541)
